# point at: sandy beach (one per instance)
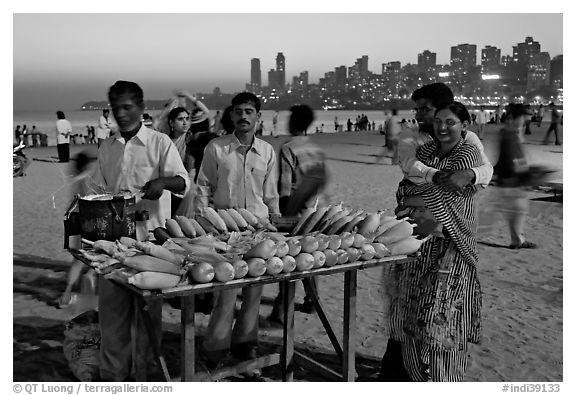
(522, 289)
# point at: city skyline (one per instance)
(225, 61)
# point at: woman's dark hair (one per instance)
(226, 120)
(246, 97)
(173, 114)
(105, 111)
(121, 88)
(60, 115)
(457, 109)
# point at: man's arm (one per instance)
(483, 173)
(413, 169)
(270, 192)
(173, 174)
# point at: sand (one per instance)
(522, 289)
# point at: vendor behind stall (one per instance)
(137, 159)
(239, 171)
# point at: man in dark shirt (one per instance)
(555, 119)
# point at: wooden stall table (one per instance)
(345, 352)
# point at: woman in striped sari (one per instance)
(436, 310)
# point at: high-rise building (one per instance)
(522, 52)
(538, 71)
(281, 70)
(426, 60)
(255, 74)
(556, 71)
(362, 64)
(521, 55)
(392, 76)
(490, 59)
(273, 79)
(341, 79)
(463, 57)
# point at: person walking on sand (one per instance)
(137, 159)
(63, 132)
(540, 115)
(482, 119)
(509, 199)
(554, 121)
(239, 170)
(104, 127)
(18, 135)
(302, 178)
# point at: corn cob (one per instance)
(355, 221)
(248, 217)
(173, 228)
(154, 280)
(339, 224)
(199, 229)
(338, 216)
(211, 215)
(227, 218)
(186, 226)
(306, 215)
(238, 218)
(407, 246)
(318, 214)
(328, 216)
(206, 224)
(147, 263)
(158, 252)
(398, 232)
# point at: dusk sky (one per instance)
(63, 60)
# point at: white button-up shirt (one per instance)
(63, 130)
(129, 165)
(230, 178)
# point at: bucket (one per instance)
(107, 217)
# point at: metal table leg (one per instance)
(287, 355)
(349, 360)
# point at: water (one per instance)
(45, 121)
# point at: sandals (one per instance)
(525, 244)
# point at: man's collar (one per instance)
(234, 144)
(141, 135)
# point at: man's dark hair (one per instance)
(301, 117)
(121, 88)
(438, 93)
(60, 115)
(246, 98)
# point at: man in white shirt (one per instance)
(137, 159)
(482, 119)
(104, 127)
(238, 171)
(63, 131)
